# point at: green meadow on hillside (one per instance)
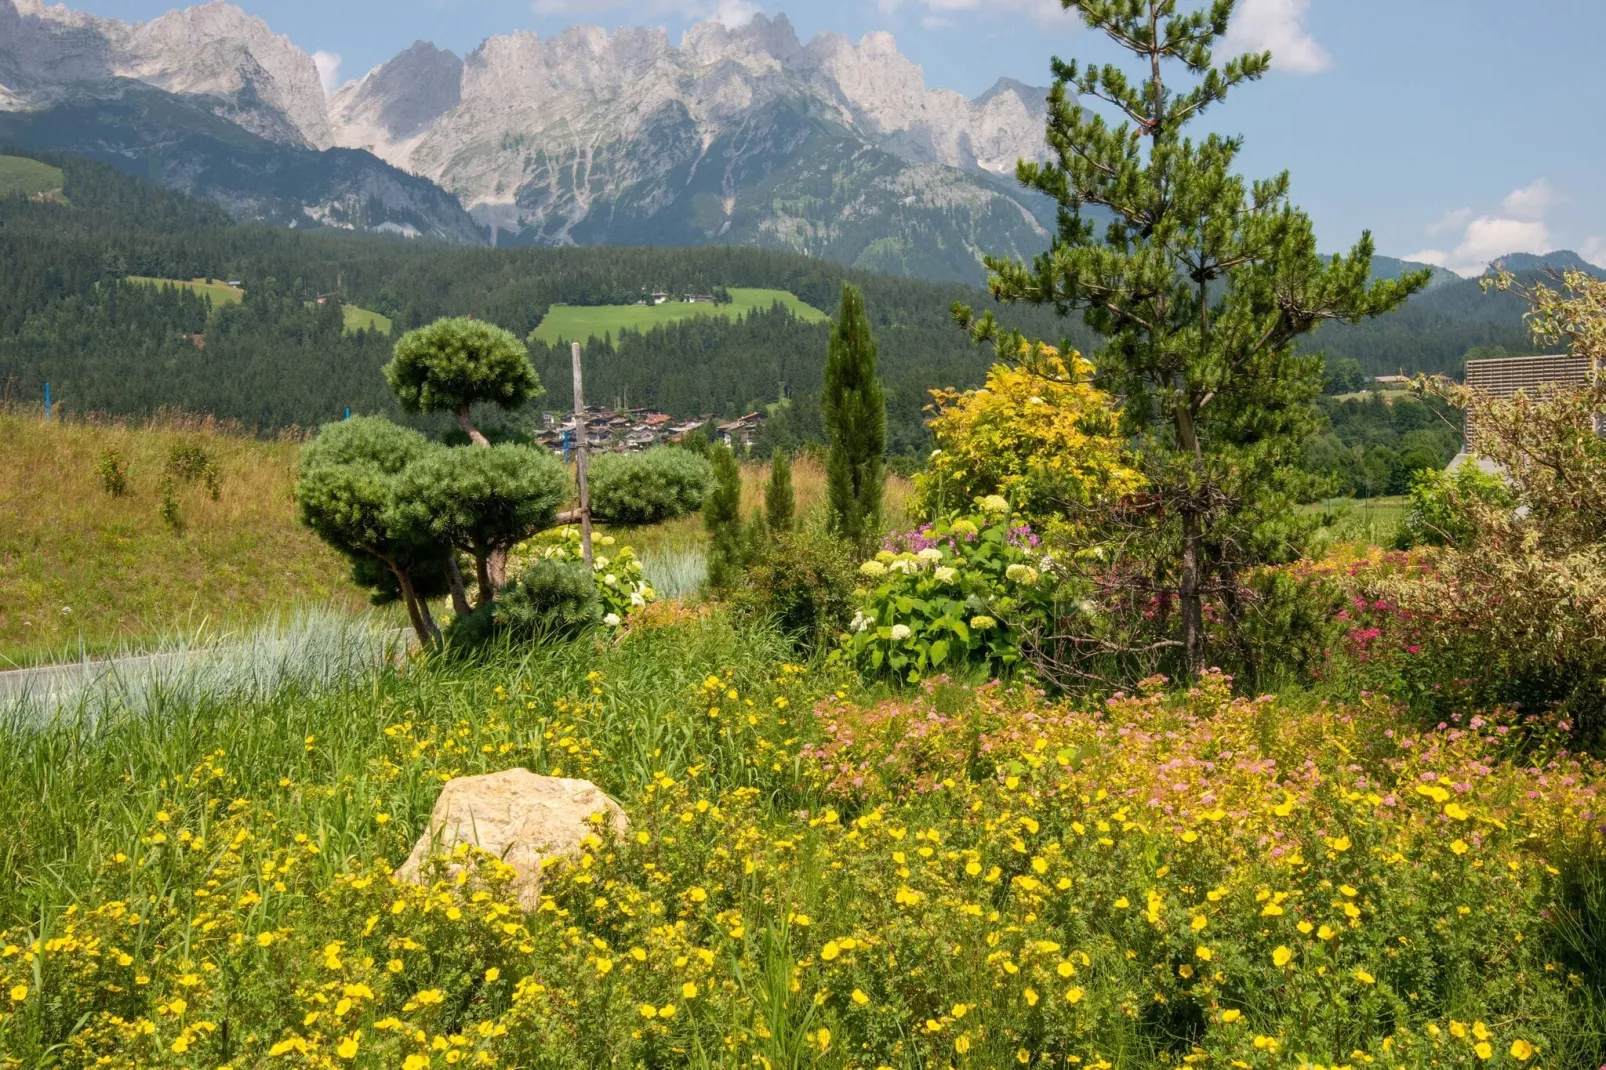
(83, 568)
(18, 174)
(579, 322)
(360, 319)
(221, 293)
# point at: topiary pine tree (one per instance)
(347, 494)
(856, 420)
(1200, 284)
(780, 501)
(455, 364)
(483, 502)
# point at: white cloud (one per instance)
(328, 64)
(1594, 250)
(1436, 257)
(1451, 221)
(1530, 202)
(732, 13)
(1490, 237)
(1519, 227)
(1277, 25)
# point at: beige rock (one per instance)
(517, 816)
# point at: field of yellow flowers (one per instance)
(946, 876)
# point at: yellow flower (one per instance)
(1521, 1050)
(830, 951)
(1031, 997)
(347, 1048)
(1073, 996)
(1326, 932)
(416, 1062)
(1065, 969)
(1228, 1017)
(647, 1010)
(19, 993)
(492, 974)
(1204, 953)
(264, 939)
(1282, 956)
(823, 1039)
(860, 997)
(1364, 978)
(1482, 1050)
(1199, 922)
(688, 991)
(666, 1011)
(961, 1043)
(1456, 812)
(604, 966)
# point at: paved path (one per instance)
(49, 680)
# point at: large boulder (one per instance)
(517, 816)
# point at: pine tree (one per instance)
(1200, 284)
(722, 517)
(856, 420)
(780, 501)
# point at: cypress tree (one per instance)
(722, 517)
(780, 501)
(856, 420)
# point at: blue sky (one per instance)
(1456, 130)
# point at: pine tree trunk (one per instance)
(466, 422)
(423, 627)
(1188, 595)
(454, 576)
(482, 574)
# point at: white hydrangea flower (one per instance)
(931, 554)
(945, 574)
(873, 568)
(611, 580)
(860, 623)
(982, 624)
(612, 620)
(900, 632)
(1025, 575)
(995, 503)
(601, 563)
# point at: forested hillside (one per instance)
(276, 360)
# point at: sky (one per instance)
(1454, 130)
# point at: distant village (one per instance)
(630, 430)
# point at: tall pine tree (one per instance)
(780, 501)
(856, 420)
(1200, 283)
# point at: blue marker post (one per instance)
(565, 447)
(47, 403)
(348, 412)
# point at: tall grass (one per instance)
(299, 718)
(81, 568)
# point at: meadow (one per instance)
(83, 570)
(19, 174)
(221, 293)
(579, 322)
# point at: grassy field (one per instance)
(21, 175)
(221, 293)
(81, 568)
(360, 319)
(1369, 520)
(577, 323)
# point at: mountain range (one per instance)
(731, 136)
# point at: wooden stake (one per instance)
(580, 457)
